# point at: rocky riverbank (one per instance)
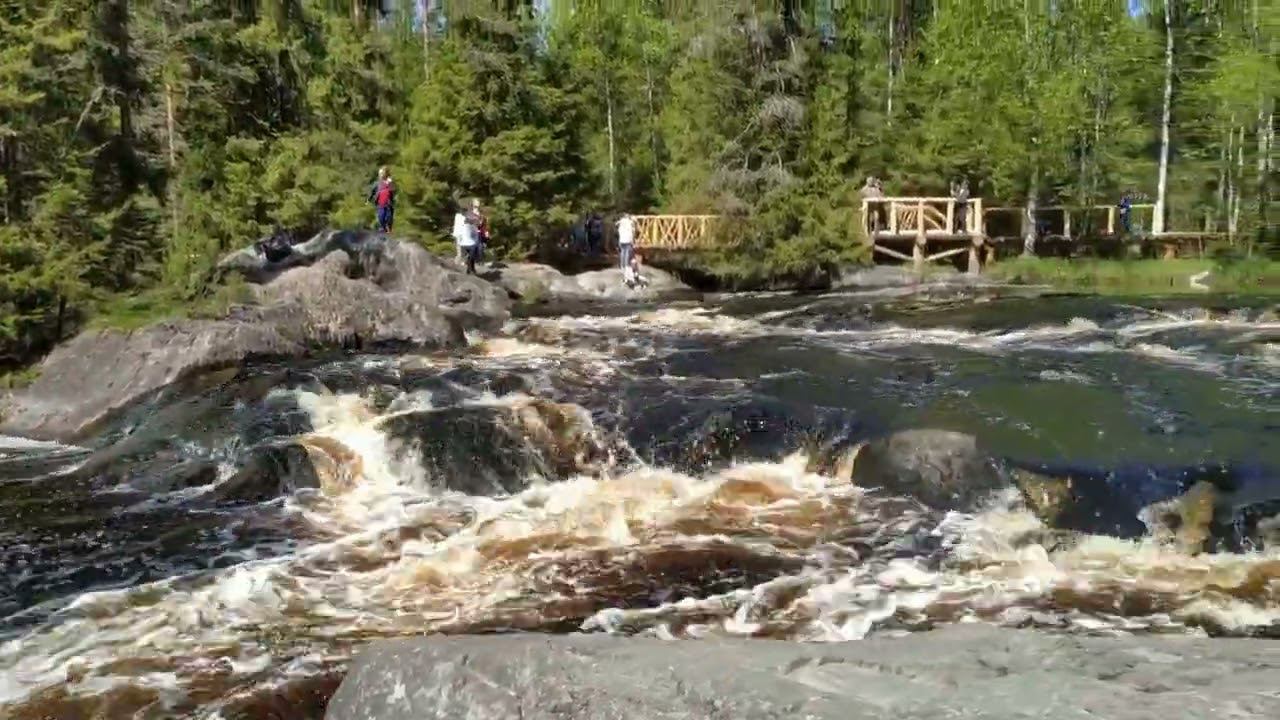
(974, 671)
(341, 290)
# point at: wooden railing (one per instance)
(1110, 213)
(913, 216)
(675, 232)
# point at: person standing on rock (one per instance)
(595, 233)
(383, 197)
(626, 242)
(465, 235)
(481, 224)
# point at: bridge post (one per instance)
(917, 252)
(975, 250)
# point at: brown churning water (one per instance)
(608, 474)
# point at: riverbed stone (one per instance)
(971, 671)
(943, 469)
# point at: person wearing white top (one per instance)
(464, 234)
(626, 243)
(459, 229)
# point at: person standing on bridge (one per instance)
(1126, 208)
(960, 193)
(626, 241)
(872, 192)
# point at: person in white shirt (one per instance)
(626, 243)
(459, 229)
(464, 234)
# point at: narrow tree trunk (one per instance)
(171, 128)
(6, 164)
(1162, 187)
(1237, 174)
(1264, 130)
(426, 39)
(888, 111)
(653, 132)
(608, 102)
(1224, 155)
(117, 76)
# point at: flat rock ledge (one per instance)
(965, 671)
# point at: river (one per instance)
(220, 552)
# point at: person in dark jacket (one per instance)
(595, 233)
(383, 197)
(480, 222)
(960, 193)
(578, 237)
(1126, 209)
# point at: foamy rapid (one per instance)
(598, 541)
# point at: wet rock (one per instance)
(942, 469)
(1186, 522)
(961, 671)
(534, 283)
(341, 290)
(1198, 509)
(270, 472)
(498, 449)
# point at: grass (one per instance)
(1141, 277)
(137, 311)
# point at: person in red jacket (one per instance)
(383, 197)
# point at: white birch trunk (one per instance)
(888, 111)
(608, 101)
(1162, 187)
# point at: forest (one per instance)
(140, 140)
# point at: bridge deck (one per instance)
(929, 229)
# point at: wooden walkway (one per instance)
(921, 230)
(925, 229)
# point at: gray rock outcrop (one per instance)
(341, 290)
(967, 671)
(531, 282)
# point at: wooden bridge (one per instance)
(920, 230)
(675, 232)
(930, 228)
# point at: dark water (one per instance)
(223, 549)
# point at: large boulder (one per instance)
(532, 283)
(942, 469)
(973, 671)
(499, 449)
(341, 290)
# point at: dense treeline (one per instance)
(139, 140)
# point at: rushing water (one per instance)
(224, 549)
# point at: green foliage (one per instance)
(1143, 277)
(139, 142)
